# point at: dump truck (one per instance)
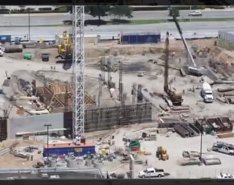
(161, 153)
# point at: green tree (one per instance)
(97, 10)
(121, 11)
(174, 12)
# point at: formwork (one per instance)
(106, 118)
(58, 97)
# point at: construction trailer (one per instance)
(140, 38)
(67, 148)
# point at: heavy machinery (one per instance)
(192, 67)
(65, 47)
(161, 153)
(175, 98)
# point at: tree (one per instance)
(22, 6)
(174, 12)
(97, 10)
(121, 11)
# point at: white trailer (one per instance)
(207, 93)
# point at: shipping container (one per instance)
(140, 38)
(5, 38)
(65, 149)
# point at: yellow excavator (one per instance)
(162, 154)
(65, 47)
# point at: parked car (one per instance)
(195, 13)
(151, 172)
(223, 148)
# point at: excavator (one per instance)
(175, 98)
(162, 154)
(65, 49)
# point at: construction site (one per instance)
(158, 109)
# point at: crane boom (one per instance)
(184, 41)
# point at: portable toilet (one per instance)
(28, 56)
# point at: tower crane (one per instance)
(78, 73)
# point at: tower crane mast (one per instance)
(78, 72)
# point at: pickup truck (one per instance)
(151, 172)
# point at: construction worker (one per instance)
(146, 162)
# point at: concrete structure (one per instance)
(50, 173)
(33, 123)
(109, 117)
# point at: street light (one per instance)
(202, 129)
(29, 24)
(47, 130)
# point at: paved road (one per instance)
(201, 28)
(35, 19)
(55, 19)
(141, 15)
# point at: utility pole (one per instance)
(120, 83)
(131, 167)
(134, 93)
(190, 12)
(109, 74)
(47, 142)
(99, 98)
(29, 34)
(100, 90)
(201, 142)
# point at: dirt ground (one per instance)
(136, 58)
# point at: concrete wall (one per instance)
(34, 123)
(109, 117)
